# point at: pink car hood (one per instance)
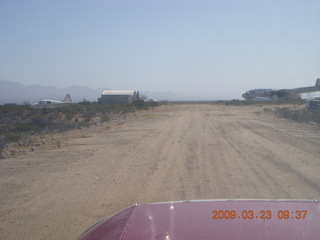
(212, 219)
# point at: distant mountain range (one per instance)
(14, 92)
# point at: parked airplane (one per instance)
(48, 103)
(270, 94)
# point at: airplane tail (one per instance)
(67, 99)
(318, 82)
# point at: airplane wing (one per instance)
(212, 219)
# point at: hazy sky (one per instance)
(216, 48)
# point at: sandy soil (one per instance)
(169, 153)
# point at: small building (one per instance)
(119, 97)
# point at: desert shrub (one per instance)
(236, 102)
(68, 116)
(12, 136)
(105, 118)
(83, 124)
(60, 126)
(57, 143)
(16, 109)
(299, 115)
(16, 122)
(24, 127)
(87, 118)
(127, 110)
(24, 139)
(38, 121)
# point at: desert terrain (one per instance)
(169, 153)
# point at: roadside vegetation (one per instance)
(293, 109)
(264, 103)
(19, 123)
(296, 110)
(299, 115)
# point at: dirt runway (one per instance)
(178, 152)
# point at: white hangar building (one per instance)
(118, 96)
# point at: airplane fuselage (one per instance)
(270, 94)
(259, 94)
(48, 103)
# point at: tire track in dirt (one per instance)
(282, 160)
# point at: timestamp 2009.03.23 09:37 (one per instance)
(262, 214)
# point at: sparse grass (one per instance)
(87, 118)
(236, 102)
(105, 118)
(299, 115)
(25, 139)
(68, 116)
(57, 143)
(12, 136)
(60, 126)
(17, 122)
(84, 136)
(18, 137)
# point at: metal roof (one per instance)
(119, 92)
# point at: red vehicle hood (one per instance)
(212, 219)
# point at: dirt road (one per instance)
(169, 153)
